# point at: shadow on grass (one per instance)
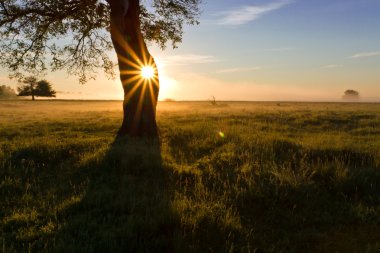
(126, 206)
(90, 196)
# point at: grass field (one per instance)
(236, 177)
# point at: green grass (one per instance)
(289, 177)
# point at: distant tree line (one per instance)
(7, 92)
(29, 86)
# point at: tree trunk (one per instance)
(140, 95)
(32, 91)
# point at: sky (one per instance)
(261, 50)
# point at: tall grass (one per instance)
(243, 177)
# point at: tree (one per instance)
(34, 33)
(212, 100)
(29, 88)
(351, 95)
(35, 89)
(44, 89)
(7, 92)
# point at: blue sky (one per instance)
(310, 50)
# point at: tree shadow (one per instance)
(126, 206)
(90, 196)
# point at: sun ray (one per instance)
(144, 55)
(130, 72)
(131, 80)
(140, 79)
(129, 62)
(133, 90)
(140, 102)
(124, 44)
(151, 93)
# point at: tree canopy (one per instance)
(351, 94)
(33, 88)
(74, 34)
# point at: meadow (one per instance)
(230, 177)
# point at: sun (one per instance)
(147, 72)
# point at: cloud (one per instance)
(249, 13)
(236, 70)
(186, 59)
(332, 66)
(365, 54)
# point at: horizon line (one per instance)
(221, 101)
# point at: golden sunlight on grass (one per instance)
(302, 176)
(147, 72)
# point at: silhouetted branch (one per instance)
(74, 34)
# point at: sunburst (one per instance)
(147, 72)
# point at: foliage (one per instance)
(33, 88)
(7, 92)
(351, 94)
(29, 88)
(73, 35)
(45, 89)
(300, 177)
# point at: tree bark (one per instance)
(140, 95)
(32, 91)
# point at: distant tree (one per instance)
(35, 89)
(44, 89)
(351, 95)
(29, 88)
(212, 100)
(7, 92)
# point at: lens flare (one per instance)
(147, 72)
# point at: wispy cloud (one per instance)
(365, 54)
(236, 70)
(249, 13)
(332, 66)
(186, 59)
